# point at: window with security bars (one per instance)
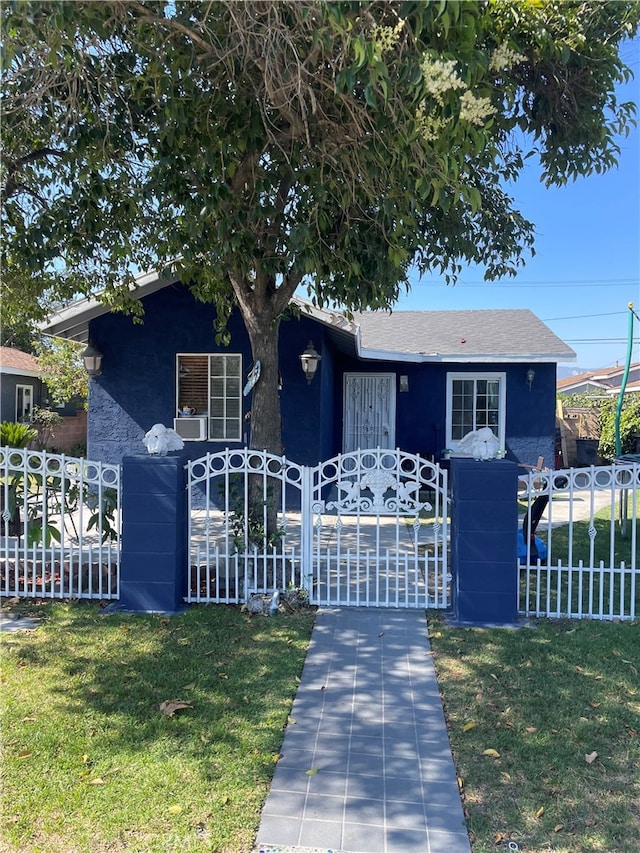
(474, 401)
(209, 386)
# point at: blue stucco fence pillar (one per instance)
(484, 547)
(153, 565)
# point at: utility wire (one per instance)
(585, 316)
(598, 340)
(571, 282)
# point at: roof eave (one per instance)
(19, 371)
(73, 320)
(466, 358)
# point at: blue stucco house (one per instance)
(418, 380)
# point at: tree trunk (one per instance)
(266, 426)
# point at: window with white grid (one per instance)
(475, 400)
(209, 386)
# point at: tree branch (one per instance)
(12, 187)
(170, 23)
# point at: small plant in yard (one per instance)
(46, 422)
(34, 501)
(140, 733)
(544, 724)
(629, 427)
(249, 515)
(16, 435)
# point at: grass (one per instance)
(559, 702)
(91, 764)
(580, 544)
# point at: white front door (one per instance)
(369, 411)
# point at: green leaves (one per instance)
(62, 369)
(16, 435)
(291, 140)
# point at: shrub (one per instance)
(629, 426)
(16, 435)
(46, 421)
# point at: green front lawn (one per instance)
(90, 763)
(545, 729)
(544, 725)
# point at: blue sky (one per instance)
(587, 264)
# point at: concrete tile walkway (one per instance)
(369, 720)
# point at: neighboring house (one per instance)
(580, 426)
(414, 380)
(21, 389)
(605, 382)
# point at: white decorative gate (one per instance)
(244, 525)
(367, 528)
(380, 531)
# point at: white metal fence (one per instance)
(59, 526)
(380, 530)
(366, 528)
(582, 560)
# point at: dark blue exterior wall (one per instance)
(8, 384)
(421, 412)
(138, 382)
(302, 404)
(531, 414)
(137, 386)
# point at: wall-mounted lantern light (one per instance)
(92, 359)
(309, 361)
(404, 384)
(531, 375)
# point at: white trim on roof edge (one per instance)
(461, 358)
(16, 371)
(82, 311)
(85, 310)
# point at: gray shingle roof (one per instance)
(482, 334)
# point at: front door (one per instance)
(369, 411)
(24, 403)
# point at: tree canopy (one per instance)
(62, 369)
(256, 147)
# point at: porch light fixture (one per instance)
(92, 359)
(531, 374)
(309, 361)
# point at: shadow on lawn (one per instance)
(118, 669)
(560, 705)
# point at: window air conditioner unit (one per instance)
(191, 429)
